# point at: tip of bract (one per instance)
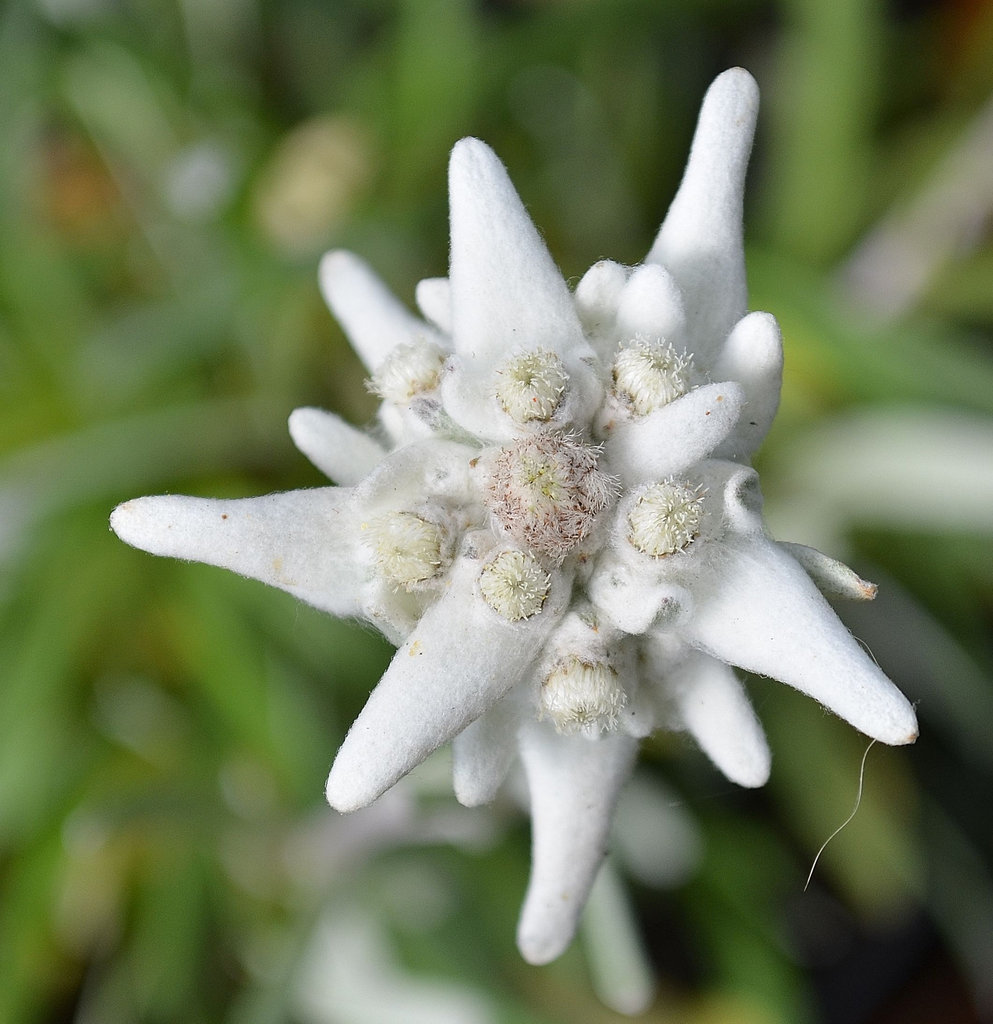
(332, 261)
(898, 727)
(735, 81)
(474, 172)
(127, 521)
(538, 946)
(470, 149)
(910, 737)
(339, 798)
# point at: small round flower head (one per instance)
(514, 585)
(649, 373)
(581, 696)
(407, 549)
(408, 371)
(546, 492)
(665, 519)
(531, 386)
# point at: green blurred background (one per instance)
(170, 171)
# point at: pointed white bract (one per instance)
(674, 437)
(376, 323)
(300, 541)
(506, 290)
(712, 706)
(700, 242)
(555, 520)
(574, 784)
(456, 663)
(343, 453)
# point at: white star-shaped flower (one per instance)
(555, 520)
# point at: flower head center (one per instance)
(514, 585)
(546, 492)
(649, 373)
(665, 519)
(581, 696)
(406, 549)
(531, 386)
(408, 371)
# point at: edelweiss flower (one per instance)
(556, 520)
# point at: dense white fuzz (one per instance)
(514, 585)
(597, 296)
(673, 437)
(530, 386)
(760, 611)
(649, 373)
(483, 752)
(752, 356)
(455, 664)
(711, 704)
(700, 242)
(407, 549)
(374, 320)
(300, 541)
(665, 519)
(505, 285)
(552, 598)
(651, 305)
(633, 599)
(580, 696)
(339, 450)
(434, 299)
(574, 784)
(408, 371)
(546, 492)
(832, 578)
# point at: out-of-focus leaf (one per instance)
(737, 903)
(35, 976)
(822, 112)
(840, 357)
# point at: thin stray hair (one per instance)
(858, 803)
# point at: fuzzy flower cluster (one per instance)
(555, 519)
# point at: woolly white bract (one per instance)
(555, 519)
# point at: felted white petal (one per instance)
(401, 425)
(340, 451)
(434, 299)
(833, 578)
(713, 707)
(639, 716)
(299, 541)
(419, 472)
(752, 356)
(507, 292)
(732, 496)
(597, 295)
(459, 660)
(372, 317)
(629, 590)
(651, 306)
(700, 241)
(484, 751)
(759, 610)
(671, 439)
(574, 784)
